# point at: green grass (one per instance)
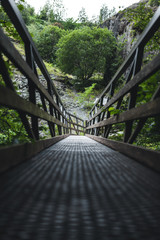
(20, 48)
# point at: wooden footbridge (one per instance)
(70, 186)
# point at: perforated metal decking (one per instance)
(80, 189)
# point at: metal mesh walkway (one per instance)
(79, 189)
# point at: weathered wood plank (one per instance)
(146, 110)
(12, 53)
(144, 74)
(13, 155)
(12, 100)
(71, 122)
(147, 157)
(74, 116)
(76, 130)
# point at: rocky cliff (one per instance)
(122, 28)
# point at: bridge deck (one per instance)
(79, 189)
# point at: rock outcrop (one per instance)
(122, 28)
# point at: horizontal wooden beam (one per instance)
(10, 99)
(149, 109)
(76, 130)
(75, 124)
(147, 157)
(12, 155)
(144, 74)
(75, 116)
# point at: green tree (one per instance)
(95, 20)
(154, 2)
(52, 11)
(70, 24)
(82, 16)
(44, 12)
(105, 13)
(28, 14)
(58, 10)
(6, 23)
(87, 96)
(116, 58)
(85, 51)
(47, 40)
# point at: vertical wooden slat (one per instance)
(77, 125)
(59, 117)
(9, 84)
(133, 95)
(32, 91)
(108, 128)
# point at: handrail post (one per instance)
(77, 125)
(59, 117)
(137, 63)
(9, 84)
(83, 128)
(111, 93)
(70, 124)
(32, 91)
(62, 118)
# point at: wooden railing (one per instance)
(101, 121)
(52, 109)
(49, 107)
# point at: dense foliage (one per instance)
(47, 42)
(87, 96)
(154, 3)
(6, 23)
(105, 13)
(84, 51)
(140, 17)
(11, 128)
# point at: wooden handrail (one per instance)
(147, 34)
(149, 109)
(100, 121)
(146, 72)
(56, 114)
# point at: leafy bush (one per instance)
(140, 16)
(87, 97)
(85, 51)
(11, 128)
(47, 40)
(154, 2)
